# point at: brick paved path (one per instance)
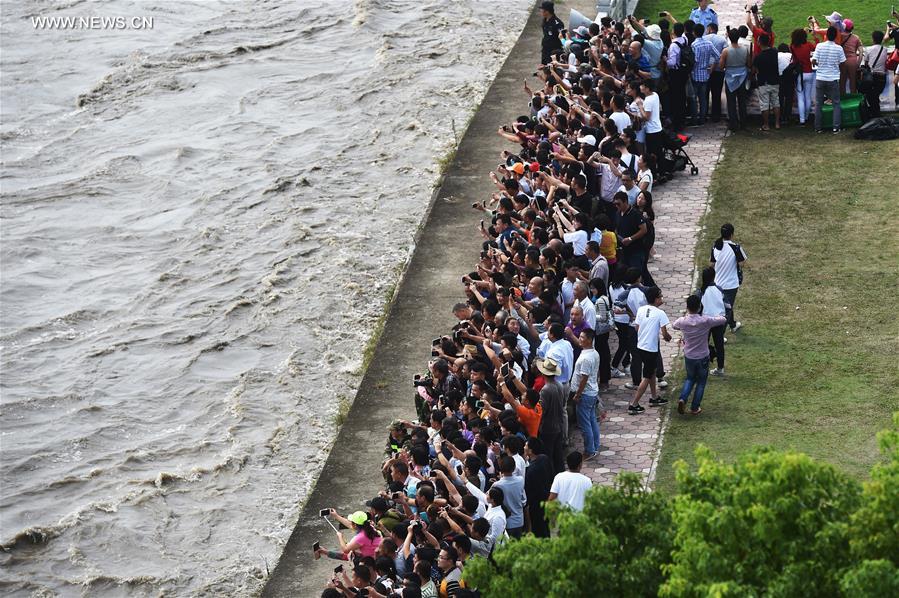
(633, 442)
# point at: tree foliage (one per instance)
(614, 545)
(770, 524)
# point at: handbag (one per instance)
(866, 72)
(893, 60)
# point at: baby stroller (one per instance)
(674, 157)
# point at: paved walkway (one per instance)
(633, 442)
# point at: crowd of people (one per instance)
(559, 303)
(691, 63)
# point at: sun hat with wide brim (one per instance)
(834, 17)
(548, 367)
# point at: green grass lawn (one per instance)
(815, 367)
(788, 15)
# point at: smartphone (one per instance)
(324, 512)
(338, 569)
(479, 404)
(433, 474)
(316, 547)
(396, 495)
(661, 14)
(504, 370)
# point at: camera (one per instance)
(754, 8)
(427, 382)
(435, 353)
(662, 14)
(338, 569)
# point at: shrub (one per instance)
(614, 545)
(771, 524)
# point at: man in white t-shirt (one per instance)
(727, 258)
(629, 186)
(621, 118)
(650, 111)
(585, 384)
(570, 487)
(651, 323)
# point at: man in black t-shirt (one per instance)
(553, 28)
(631, 228)
(766, 73)
(580, 196)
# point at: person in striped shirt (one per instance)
(827, 58)
(706, 57)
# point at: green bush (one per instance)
(613, 546)
(771, 524)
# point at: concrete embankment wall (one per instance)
(448, 247)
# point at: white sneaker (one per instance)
(627, 370)
(663, 384)
(616, 373)
(630, 386)
(737, 326)
(717, 372)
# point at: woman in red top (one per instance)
(802, 49)
(852, 46)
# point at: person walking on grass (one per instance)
(712, 304)
(695, 329)
(651, 323)
(727, 258)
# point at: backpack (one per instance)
(738, 256)
(879, 129)
(607, 323)
(687, 58)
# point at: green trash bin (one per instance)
(852, 105)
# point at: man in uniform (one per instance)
(704, 14)
(553, 29)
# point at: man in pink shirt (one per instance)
(695, 329)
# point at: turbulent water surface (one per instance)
(200, 224)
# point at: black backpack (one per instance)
(687, 57)
(879, 129)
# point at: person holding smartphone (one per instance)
(364, 543)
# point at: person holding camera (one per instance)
(759, 27)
